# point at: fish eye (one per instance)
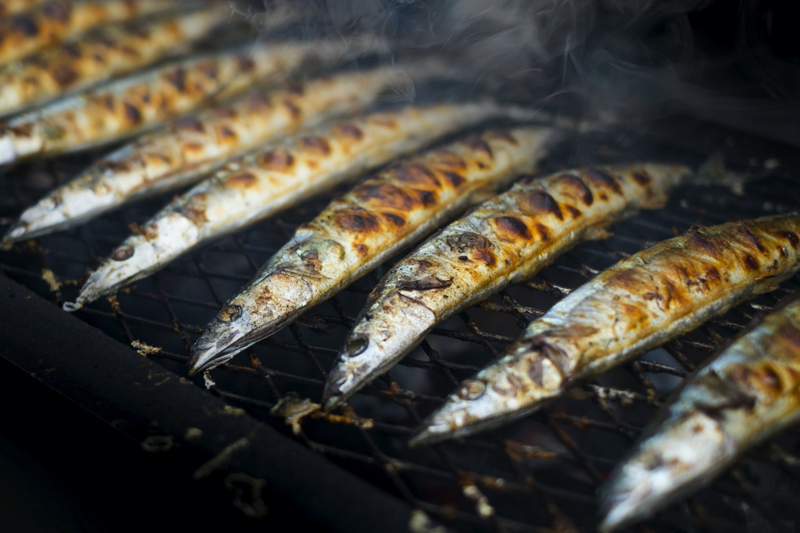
(356, 345)
(122, 253)
(471, 389)
(230, 313)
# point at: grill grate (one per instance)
(539, 474)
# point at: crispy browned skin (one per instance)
(55, 21)
(98, 55)
(628, 309)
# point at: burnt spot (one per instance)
(476, 143)
(386, 195)
(642, 178)
(246, 64)
(132, 114)
(177, 78)
(578, 188)
(225, 133)
(712, 274)
(279, 160)
(240, 181)
(292, 109)
(108, 102)
(602, 178)
(351, 130)
(512, 228)
(543, 231)
(427, 198)
(72, 50)
(361, 249)
(316, 145)
(118, 166)
(425, 284)
(423, 264)
(413, 174)
(477, 246)
(57, 11)
(751, 238)
(455, 179)
(550, 352)
(189, 124)
(772, 379)
(573, 211)
(358, 222)
(503, 134)
(64, 75)
(395, 220)
(749, 262)
(790, 236)
(24, 25)
(703, 243)
(540, 202)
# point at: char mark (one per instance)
(541, 202)
(476, 143)
(316, 144)
(513, 227)
(578, 188)
(601, 177)
(642, 178)
(425, 284)
(278, 160)
(358, 221)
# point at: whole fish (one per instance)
(634, 306)
(506, 239)
(55, 21)
(747, 393)
(275, 178)
(355, 233)
(140, 101)
(193, 146)
(99, 55)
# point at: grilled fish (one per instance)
(193, 146)
(140, 101)
(634, 306)
(99, 55)
(505, 240)
(55, 21)
(355, 233)
(746, 394)
(274, 178)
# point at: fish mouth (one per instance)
(208, 354)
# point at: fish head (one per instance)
(263, 307)
(495, 396)
(391, 327)
(686, 451)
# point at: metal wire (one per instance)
(539, 474)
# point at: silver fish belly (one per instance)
(634, 306)
(744, 395)
(141, 101)
(275, 178)
(506, 239)
(193, 146)
(383, 214)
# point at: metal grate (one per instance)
(539, 474)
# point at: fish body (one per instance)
(504, 240)
(192, 146)
(747, 393)
(274, 178)
(634, 306)
(55, 21)
(99, 55)
(140, 101)
(381, 215)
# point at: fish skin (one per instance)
(143, 100)
(99, 55)
(384, 213)
(192, 146)
(504, 240)
(747, 393)
(54, 21)
(276, 177)
(634, 306)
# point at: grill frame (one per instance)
(114, 400)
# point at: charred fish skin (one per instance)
(506, 239)
(636, 305)
(274, 178)
(141, 101)
(192, 146)
(747, 393)
(99, 55)
(381, 215)
(55, 21)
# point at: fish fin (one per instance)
(597, 234)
